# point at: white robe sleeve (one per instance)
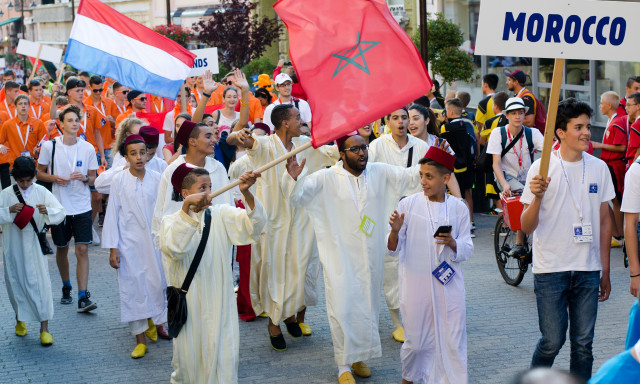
(259, 152)
(104, 180)
(176, 233)
(55, 211)
(464, 244)
(402, 234)
(110, 230)
(6, 217)
(402, 180)
(243, 226)
(164, 194)
(303, 191)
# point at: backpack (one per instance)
(528, 135)
(540, 112)
(458, 138)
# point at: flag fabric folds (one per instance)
(354, 61)
(105, 42)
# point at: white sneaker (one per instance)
(96, 238)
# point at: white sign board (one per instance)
(3, 63)
(574, 29)
(207, 59)
(47, 53)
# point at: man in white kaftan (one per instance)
(207, 348)
(338, 202)
(433, 314)
(26, 271)
(127, 228)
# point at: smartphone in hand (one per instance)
(442, 230)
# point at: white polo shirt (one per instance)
(303, 107)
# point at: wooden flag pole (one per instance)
(263, 168)
(33, 67)
(550, 127)
(61, 72)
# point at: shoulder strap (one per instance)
(21, 200)
(53, 155)
(410, 159)
(296, 102)
(218, 117)
(513, 142)
(196, 260)
(528, 135)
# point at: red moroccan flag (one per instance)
(354, 61)
(155, 120)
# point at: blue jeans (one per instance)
(564, 296)
(107, 154)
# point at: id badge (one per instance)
(444, 273)
(83, 136)
(25, 153)
(103, 122)
(582, 233)
(367, 225)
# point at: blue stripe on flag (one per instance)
(126, 72)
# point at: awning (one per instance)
(11, 20)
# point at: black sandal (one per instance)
(277, 342)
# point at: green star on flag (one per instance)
(345, 60)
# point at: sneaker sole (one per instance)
(63, 301)
(89, 308)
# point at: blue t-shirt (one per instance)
(633, 332)
(622, 368)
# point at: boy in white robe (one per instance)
(207, 348)
(26, 272)
(127, 233)
(431, 287)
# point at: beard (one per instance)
(355, 163)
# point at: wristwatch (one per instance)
(87, 179)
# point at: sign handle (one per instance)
(33, 69)
(263, 168)
(550, 127)
(61, 72)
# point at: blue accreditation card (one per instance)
(444, 273)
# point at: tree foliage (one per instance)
(446, 59)
(238, 32)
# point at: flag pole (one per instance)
(550, 126)
(33, 67)
(263, 168)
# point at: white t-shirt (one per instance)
(303, 106)
(631, 197)
(554, 249)
(75, 197)
(510, 163)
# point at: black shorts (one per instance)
(465, 180)
(79, 226)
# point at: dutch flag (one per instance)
(107, 43)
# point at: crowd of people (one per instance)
(392, 203)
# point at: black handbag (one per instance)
(42, 239)
(177, 297)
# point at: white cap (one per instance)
(515, 103)
(281, 78)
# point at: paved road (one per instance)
(94, 348)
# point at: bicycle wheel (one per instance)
(509, 267)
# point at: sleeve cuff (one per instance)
(190, 220)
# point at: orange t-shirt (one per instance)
(217, 95)
(157, 104)
(7, 110)
(90, 125)
(198, 96)
(39, 110)
(123, 116)
(255, 108)
(106, 107)
(21, 136)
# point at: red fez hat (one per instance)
(131, 138)
(24, 216)
(262, 126)
(344, 138)
(441, 157)
(179, 174)
(150, 135)
(185, 131)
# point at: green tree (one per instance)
(446, 59)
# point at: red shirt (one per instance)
(634, 142)
(621, 111)
(616, 134)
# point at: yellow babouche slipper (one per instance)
(361, 369)
(139, 351)
(615, 243)
(151, 332)
(346, 378)
(21, 328)
(306, 329)
(46, 339)
(263, 315)
(398, 335)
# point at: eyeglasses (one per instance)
(357, 148)
(631, 105)
(142, 99)
(99, 90)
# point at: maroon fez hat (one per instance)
(344, 138)
(185, 131)
(179, 174)
(441, 157)
(262, 126)
(131, 138)
(150, 135)
(24, 216)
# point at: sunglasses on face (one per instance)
(142, 99)
(98, 90)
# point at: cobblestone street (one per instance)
(94, 348)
